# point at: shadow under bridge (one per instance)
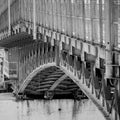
(50, 83)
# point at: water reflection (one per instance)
(49, 110)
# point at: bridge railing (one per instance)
(88, 76)
(36, 56)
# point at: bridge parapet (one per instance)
(33, 56)
(92, 81)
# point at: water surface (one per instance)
(49, 110)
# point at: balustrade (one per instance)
(37, 55)
(92, 78)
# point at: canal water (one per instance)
(65, 109)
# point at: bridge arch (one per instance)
(62, 77)
(51, 76)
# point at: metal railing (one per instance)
(13, 69)
(33, 58)
(105, 97)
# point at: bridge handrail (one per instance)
(31, 62)
(108, 110)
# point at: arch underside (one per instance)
(55, 80)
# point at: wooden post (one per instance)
(108, 70)
(75, 61)
(91, 18)
(57, 53)
(42, 53)
(84, 23)
(9, 26)
(34, 19)
(119, 96)
(100, 21)
(83, 72)
(92, 76)
(103, 88)
(18, 52)
(46, 53)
